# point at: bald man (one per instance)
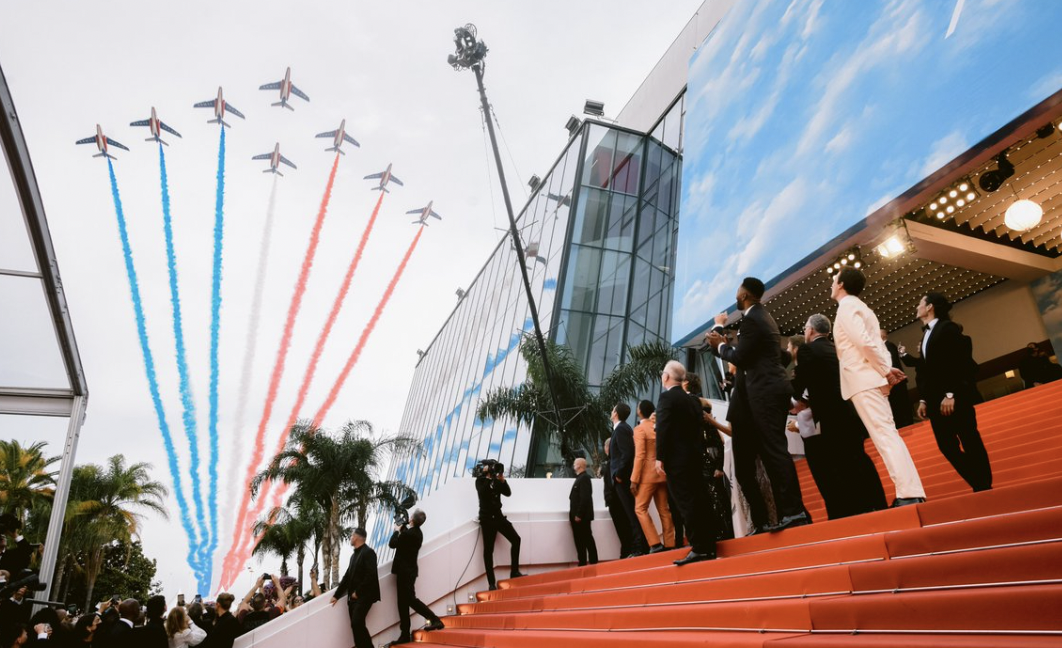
(581, 514)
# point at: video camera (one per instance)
(26, 578)
(488, 468)
(402, 511)
(9, 523)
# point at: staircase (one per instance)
(962, 570)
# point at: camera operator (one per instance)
(14, 609)
(15, 551)
(490, 486)
(406, 541)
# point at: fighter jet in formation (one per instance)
(275, 158)
(220, 107)
(156, 126)
(385, 177)
(102, 142)
(424, 212)
(287, 88)
(338, 137)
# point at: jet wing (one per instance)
(329, 134)
(205, 104)
(348, 138)
(435, 215)
(168, 129)
(144, 122)
(371, 176)
(232, 109)
(113, 143)
(415, 211)
(287, 162)
(264, 156)
(271, 86)
(298, 93)
(397, 181)
(87, 140)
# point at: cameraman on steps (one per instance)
(490, 486)
(406, 542)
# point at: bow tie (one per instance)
(925, 327)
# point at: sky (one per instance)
(383, 69)
(803, 117)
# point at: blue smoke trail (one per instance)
(215, 326)
(149, 369)
(187, 400)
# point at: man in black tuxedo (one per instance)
(226, 627)
(615, 509)
(621, 464)
(851, 484)
(899, 399)
(406, 541)
(490, 487)
(15, 551)
(948, 389)
(581, 514)
(680, 455)
(759, 407)
(361, 585)
(122, 634)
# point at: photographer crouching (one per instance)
(490, 486)
(406, 541)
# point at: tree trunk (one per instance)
(325, 574)
(92, 569)
(57, 578)
(299, 558)
(333, 520)
(283, 567)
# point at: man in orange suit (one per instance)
(867, 375)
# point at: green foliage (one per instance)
(125, 571)
(27, 484)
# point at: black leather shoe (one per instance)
(905, 501)
(635, 554)
(791, 521)
(693, 557)
(757, 530)
(656, 548)
(493, 587)
(517, 574)
(437, 624)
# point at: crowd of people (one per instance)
(125, 623)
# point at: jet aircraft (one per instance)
(385, 177)
(156, 126)
(338, 137)
(102, 142)
(275, 158)
(287, 88)
(220, 107)
(424, 212)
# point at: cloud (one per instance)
(942, 151)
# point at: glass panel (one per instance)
(591, 218)
(600, 154)
(28, 346)
(626, 171)
(615, 275)
(16, 252)
(583, 279)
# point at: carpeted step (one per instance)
(627, 639)
(1026, 526)
(915, 640)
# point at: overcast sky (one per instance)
(383, 69)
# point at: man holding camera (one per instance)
(490, 486)
(406, 541)
(361, 584)
(15, 551)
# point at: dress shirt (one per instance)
(929, 331)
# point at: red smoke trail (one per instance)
(353, 359)
(311, 369)
(242, 522)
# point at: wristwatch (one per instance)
(949, 395)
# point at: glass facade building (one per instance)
(599, 234)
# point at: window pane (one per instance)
(627, 163)
(600, 153)
(28, 346)
(16, 252)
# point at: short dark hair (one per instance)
(646, 408)
(360, 531)
(156, 606)
(418, 518)
(623, 411)
(941, 305)
(852, 280)
(754, 286)
(225, 601)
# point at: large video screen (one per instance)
(805, 116)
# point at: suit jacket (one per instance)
(621, 452)
(16, 558)
(679, 440)
(608, 485)
(757, 356)
(361, 577)
(818, 372)
(645, 455)
(149, 636)
(121, 636)
(406, 544)
(948, 366)
(581, 498)
(223, 634)
(864, 360)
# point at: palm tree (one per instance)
(338, 473)
(287, 530)
(107, 504)
(26, 483)
(586, 412)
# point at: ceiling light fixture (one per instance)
(1023, 215)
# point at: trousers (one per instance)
(876, 413)
(960, 443)
(585, 547)
(655, 492)
(491, 529)
(407, 598)
(359, 609)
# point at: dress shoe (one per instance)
(905, 501)
(493, 587)
(758, 530)
(693, 557)
(437, 624)
(791, 521)
(656, 548)
(635, 554)
(517, 575)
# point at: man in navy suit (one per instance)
(948, 389)
(621, 464)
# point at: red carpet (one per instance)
(962, 570)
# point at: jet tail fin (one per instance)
(284, 104)
(337, 150)
(106, 155)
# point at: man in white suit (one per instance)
(867, 375)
